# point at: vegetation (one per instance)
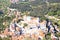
(36, 8)
(5, 38)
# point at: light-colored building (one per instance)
(14, 1)
(31, 0)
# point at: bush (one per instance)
(25, 24)
(0, 38)
(58, 13)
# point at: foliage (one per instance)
(5, 38)
(23, 7)
(54, 10)
(51, 13)
(25, 24)
(58, 22)
(0, 38)
(58, 12)
(4, 4)
(37, 7)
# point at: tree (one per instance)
(51, 13)
(58, 12)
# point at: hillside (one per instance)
(38, 10)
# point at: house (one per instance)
(14, 1)
(31, 0)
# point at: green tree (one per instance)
(58, 12)
(51, 13)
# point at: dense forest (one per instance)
(38, 6)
